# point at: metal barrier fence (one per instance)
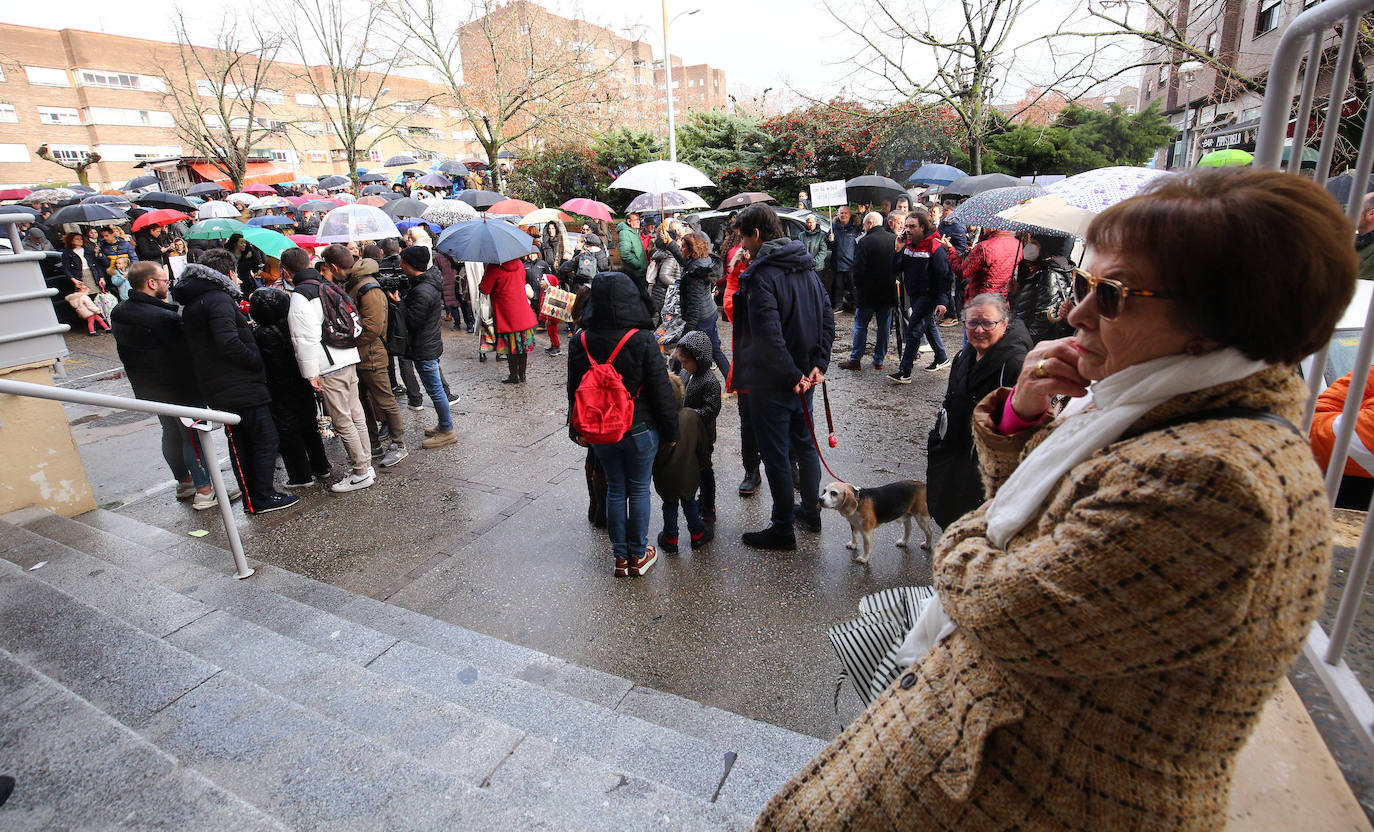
(1306, 38)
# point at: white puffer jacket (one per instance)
(306, 321)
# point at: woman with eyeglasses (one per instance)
(997, 346)
(1152, 555)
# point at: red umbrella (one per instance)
(475, 163)
(588, 208)
(306, 241)
(517, 207)
(162, 216)
(260, 190)
(295, 200)
(14, 193)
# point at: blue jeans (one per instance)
(690, 510)
(861, 318)
(708, 326)
(629, 466)
(181, 454)
(781, 431)
(429, 376)
(922, 324)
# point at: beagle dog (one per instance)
(868, 508)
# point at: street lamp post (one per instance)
(1187, 69)
(668, 79)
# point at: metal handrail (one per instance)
(205, 420)
(1310, 29)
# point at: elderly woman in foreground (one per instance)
(1151, 557)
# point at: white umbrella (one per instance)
(240, 198)
(215, 209)
(1051, 212)
(446, 212)
(1098, 190)
(352, 223)
(265, 202)
(660, 176)
(666, 201)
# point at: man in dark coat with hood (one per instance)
(784, 327)
(230, 372)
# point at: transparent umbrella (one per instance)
(216, 209)
(666, 201)
(355, 222)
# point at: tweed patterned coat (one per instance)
(1109, 665)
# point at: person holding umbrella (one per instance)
(515, 321)
(153, 244)
(634, 259)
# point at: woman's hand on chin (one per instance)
(1050, 369)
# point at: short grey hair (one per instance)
(872, 218)
(993, 299)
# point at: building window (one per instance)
(131, 118)
(136, 152)
(286, 157)
(69, 152)
(8, 115)
(338, 155)
(42, 76)
(1163, 75)
(14, 153)
(2, 75)
(59, 115)
(316, 155)
(1268, 18)
(312, 128)
(120, 80)
(1212, 43)
(374, 155)
(306, 99)
(525, 29)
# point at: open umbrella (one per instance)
(453, 168)
(873, 189)
(47, 196)
(484, 241)
(432, 227)
(410, 172)
(970, 185)
(240, 199)
(260, 190)
(145, 181)
(400, 161)
(162, 199)
(162, 216)
(542, 216)
(205, 188)
(306, 241)
(295, 200)
(375, 190)
(744, 199)
(401, 208)
(514, 207)
(666, 201)
(216, 229)
(1098, 190)
(12, 194)
(81, 189)
(981, 209)
(659, 176)
(1048, 213)
(353, 223)
(446, 212)
(118, 201)
(318, 205)
(435, 180)
(1309, 156)
(87, 213)
(1231, 157)
(269, 242)
(935, 174)
(334, 181)
(215, 209)
(475, 163)
(588, 208)
(375, 200)
(269, 222)
(372, 177)
(19, 209)
(1341, 186)
(481, 200)
(262, 203)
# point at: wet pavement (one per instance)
(491, 534)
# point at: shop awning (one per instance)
(258, 173)
(1240, 135)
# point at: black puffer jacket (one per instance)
(1039, 289)
(697, 286)
(701, 392)
(152, 344)
(225, 355)
(952, 461)
(424, 315)
(293, 400)
(614, 306)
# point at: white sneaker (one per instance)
(201, 502)
(394, 455)
(355, 482)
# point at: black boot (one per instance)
(749, 486)
(522, 363)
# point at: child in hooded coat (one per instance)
(293, 405)
(701, 394)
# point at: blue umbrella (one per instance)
(433, 228)
(933, 174)
(483, 241)
(268, 222)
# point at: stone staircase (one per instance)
(144, 688)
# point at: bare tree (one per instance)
(220, 96)
(350, 84)
(79, 167)
(957, 55)
(516, 72)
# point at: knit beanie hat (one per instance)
(417, 257)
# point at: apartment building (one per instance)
(1220, 112)
(695, 87)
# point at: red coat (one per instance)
(509, 306)
(989, 265)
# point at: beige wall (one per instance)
(38, 457)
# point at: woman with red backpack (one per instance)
(618, 338)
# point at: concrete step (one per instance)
(77, 768)
(361, 629)
(644, 775)
(304, 770)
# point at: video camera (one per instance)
(393, 280)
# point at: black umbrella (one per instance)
(317, 205)
(400, 161)
(140, 182)
(873, 189)
(376, 190)
(19, 209)
(970, 185)
(373, 177)
(162, 199)
(1340, 186)
(412, 172)
(333, 181)
(453, 169)
(481, 200)
(741, 200)
(402, 208)
(81, 189)
(92, 213)
(113, 200)
(205, 188)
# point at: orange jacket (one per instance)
(1329, 406)
(732, 282)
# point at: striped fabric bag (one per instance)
(867, 645)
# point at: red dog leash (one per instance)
(830, 423)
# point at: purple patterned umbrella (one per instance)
(1098, 190)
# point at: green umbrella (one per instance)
(1309, 155)
(217, 229)
(270, 243)
(1228, 158)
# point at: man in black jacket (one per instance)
(148, 334)
(229, 370)
(875, 291)
(424, 326)
(784, 327)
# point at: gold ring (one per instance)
(1040, 369)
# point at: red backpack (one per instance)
(602, 408)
